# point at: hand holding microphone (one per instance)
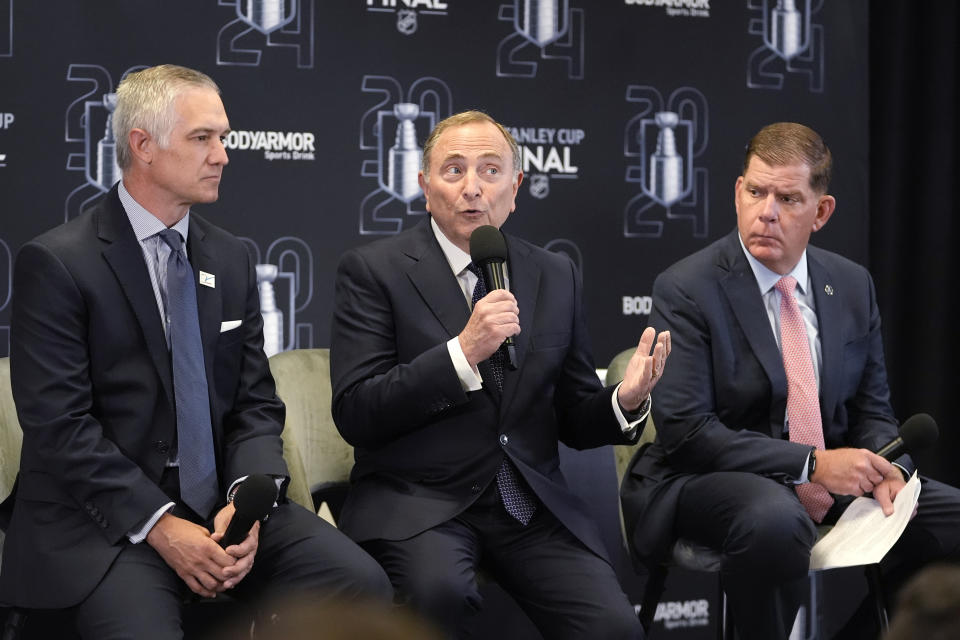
(253, 501)
(849, 471)
(495, 319)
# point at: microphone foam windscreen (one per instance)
(487, 244)
(919, 431)
(255, 496)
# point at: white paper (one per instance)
(863, 535)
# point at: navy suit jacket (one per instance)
(425, 448)
(92, 382)
(721, 403)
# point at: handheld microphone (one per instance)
(254, 499)
(488, 250)
(919, 431)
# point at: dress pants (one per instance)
(565, 589)
(141, 597)
(765, 537)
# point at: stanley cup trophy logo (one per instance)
(541, 21)
(792, 43)
(390, 128)
(266, 16)
(786, 33)
(671, 187)
(272, 316)
(544, 30)
(404, 157)
(258, 24)
(108, 172)
(89, 127)
(285, 284)
(666, 165)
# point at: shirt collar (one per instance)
(457, 258)
(144, 223)
(767, 279)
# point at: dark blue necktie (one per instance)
(517, 499)
(198, 467)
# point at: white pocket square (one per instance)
(229, 325)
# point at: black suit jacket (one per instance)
(721, 403)
(92, 383)
(425, 448)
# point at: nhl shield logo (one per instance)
(266, 16)
(539, 185)
(406, 21)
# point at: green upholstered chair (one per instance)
(325, 459)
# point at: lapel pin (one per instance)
(828, 290)
(208, 280)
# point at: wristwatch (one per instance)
(811, 464)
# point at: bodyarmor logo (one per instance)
(544, 29)
(792, 43)
(408, 11)
(89, 121)
(6, 121)
(285, 282)
(276, 145)
(675, 8)
(546, 153)
(392, 127)
(270, 23)
(6, 28)
(666, 145)
(681, 615)
(6, 289)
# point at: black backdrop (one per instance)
(914, 229)
(312, 94)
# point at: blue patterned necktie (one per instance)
(198, 467)
(517, 499)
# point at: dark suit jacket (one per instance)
(425, 448)
(92, 384)
(721, 403)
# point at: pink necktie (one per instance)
(803, 403)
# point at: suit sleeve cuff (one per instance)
(630, 421)
(469, 376)
(139, 535)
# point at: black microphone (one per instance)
(919, 431)
(254, 499)
(488, 250)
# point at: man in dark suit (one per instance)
(734, 465)
(456, 454)
(100, 521)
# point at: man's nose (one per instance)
(771, 209)
(218, 155)
(471, 184)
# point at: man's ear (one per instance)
(825, 208)
(141, 145)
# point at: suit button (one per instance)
(504, 439)
(161, 446)
(475, 488)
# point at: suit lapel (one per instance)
(125, 256)
(431, 276)
(830, 306)
(743, 293)
(203, 258)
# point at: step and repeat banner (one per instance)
(602, 95)
(605, 97)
